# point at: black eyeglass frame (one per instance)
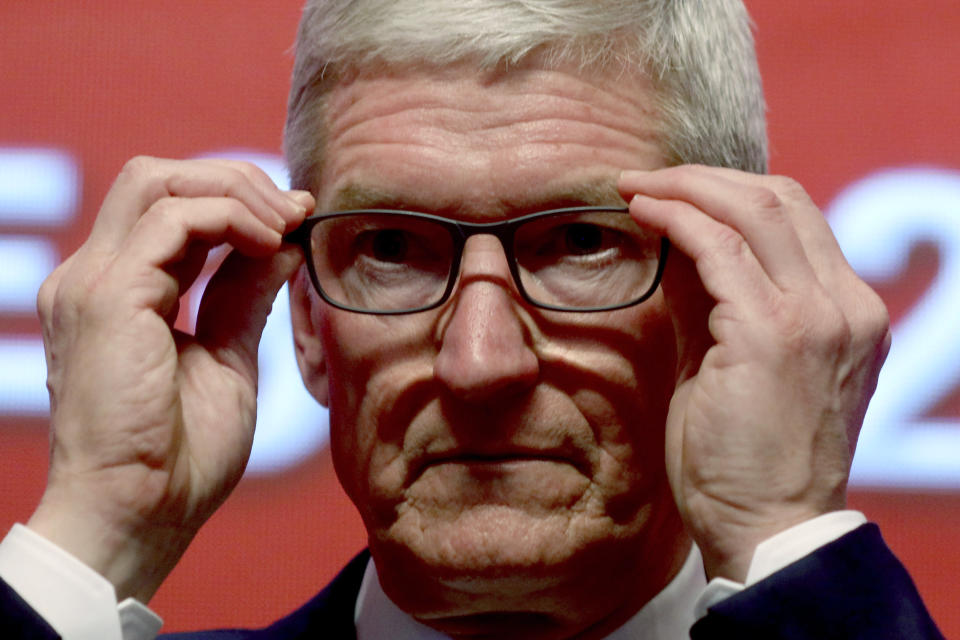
(460, 231)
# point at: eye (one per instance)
(583, 239)
(389, 245)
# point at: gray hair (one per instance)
(698, 55)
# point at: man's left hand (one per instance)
(779, 347)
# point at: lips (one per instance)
(501, 458)
(542, 428)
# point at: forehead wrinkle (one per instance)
(440, 130)
(395, 135)
(463, 102)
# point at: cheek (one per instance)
(622, 384)
(375, 366)
(652, 354)
(347, 381)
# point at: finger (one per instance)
(813, 231)
(171, 226)
(186, 270)
(750, 207)
(725, 264)
(236, 302)
(863, 309)
(262, 181)
(811, 225)
(144, 181)
(689, 306)
(145, 271)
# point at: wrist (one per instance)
(730, 554)
(133, 555)
(720, 563)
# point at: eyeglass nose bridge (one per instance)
(460, 233)
(502, 231)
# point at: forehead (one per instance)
(474, 144)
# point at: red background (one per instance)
(852, 86)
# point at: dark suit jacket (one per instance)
(851, 588)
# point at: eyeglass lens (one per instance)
(585, 259)
(382, 262)
(575, 260)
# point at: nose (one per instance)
(485, 350)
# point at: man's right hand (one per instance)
(151, 427)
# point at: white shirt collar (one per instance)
(668, 616)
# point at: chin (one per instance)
(494, 558)
(488, 539)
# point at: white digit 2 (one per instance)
(877, 221)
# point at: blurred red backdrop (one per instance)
(853, 87)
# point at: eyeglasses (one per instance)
(388, 262)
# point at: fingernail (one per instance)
(278, 224)
(293, 207)
(304, 199)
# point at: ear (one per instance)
(306, 336)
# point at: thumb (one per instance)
(689, 305)
(236, 303)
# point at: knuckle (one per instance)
(79, 292)
(143, 175)
(812, 324)
(64, 298)
(765, 202)
(682, 174)
(729, 242)
(165, 218)
(874, 324)
(162, 208)
(690, 170)
(830, 326)
(230, 213)
(836, 331)
(234, 173)
(46, 295)
(235, 182)
(789, 188)
(138, 169)
(248, 170)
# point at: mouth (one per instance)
(500, 460)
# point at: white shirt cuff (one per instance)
(75, 600)
(781, 550)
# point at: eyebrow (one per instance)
(597, 191)
(362, 196)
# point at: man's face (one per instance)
(504, 459)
